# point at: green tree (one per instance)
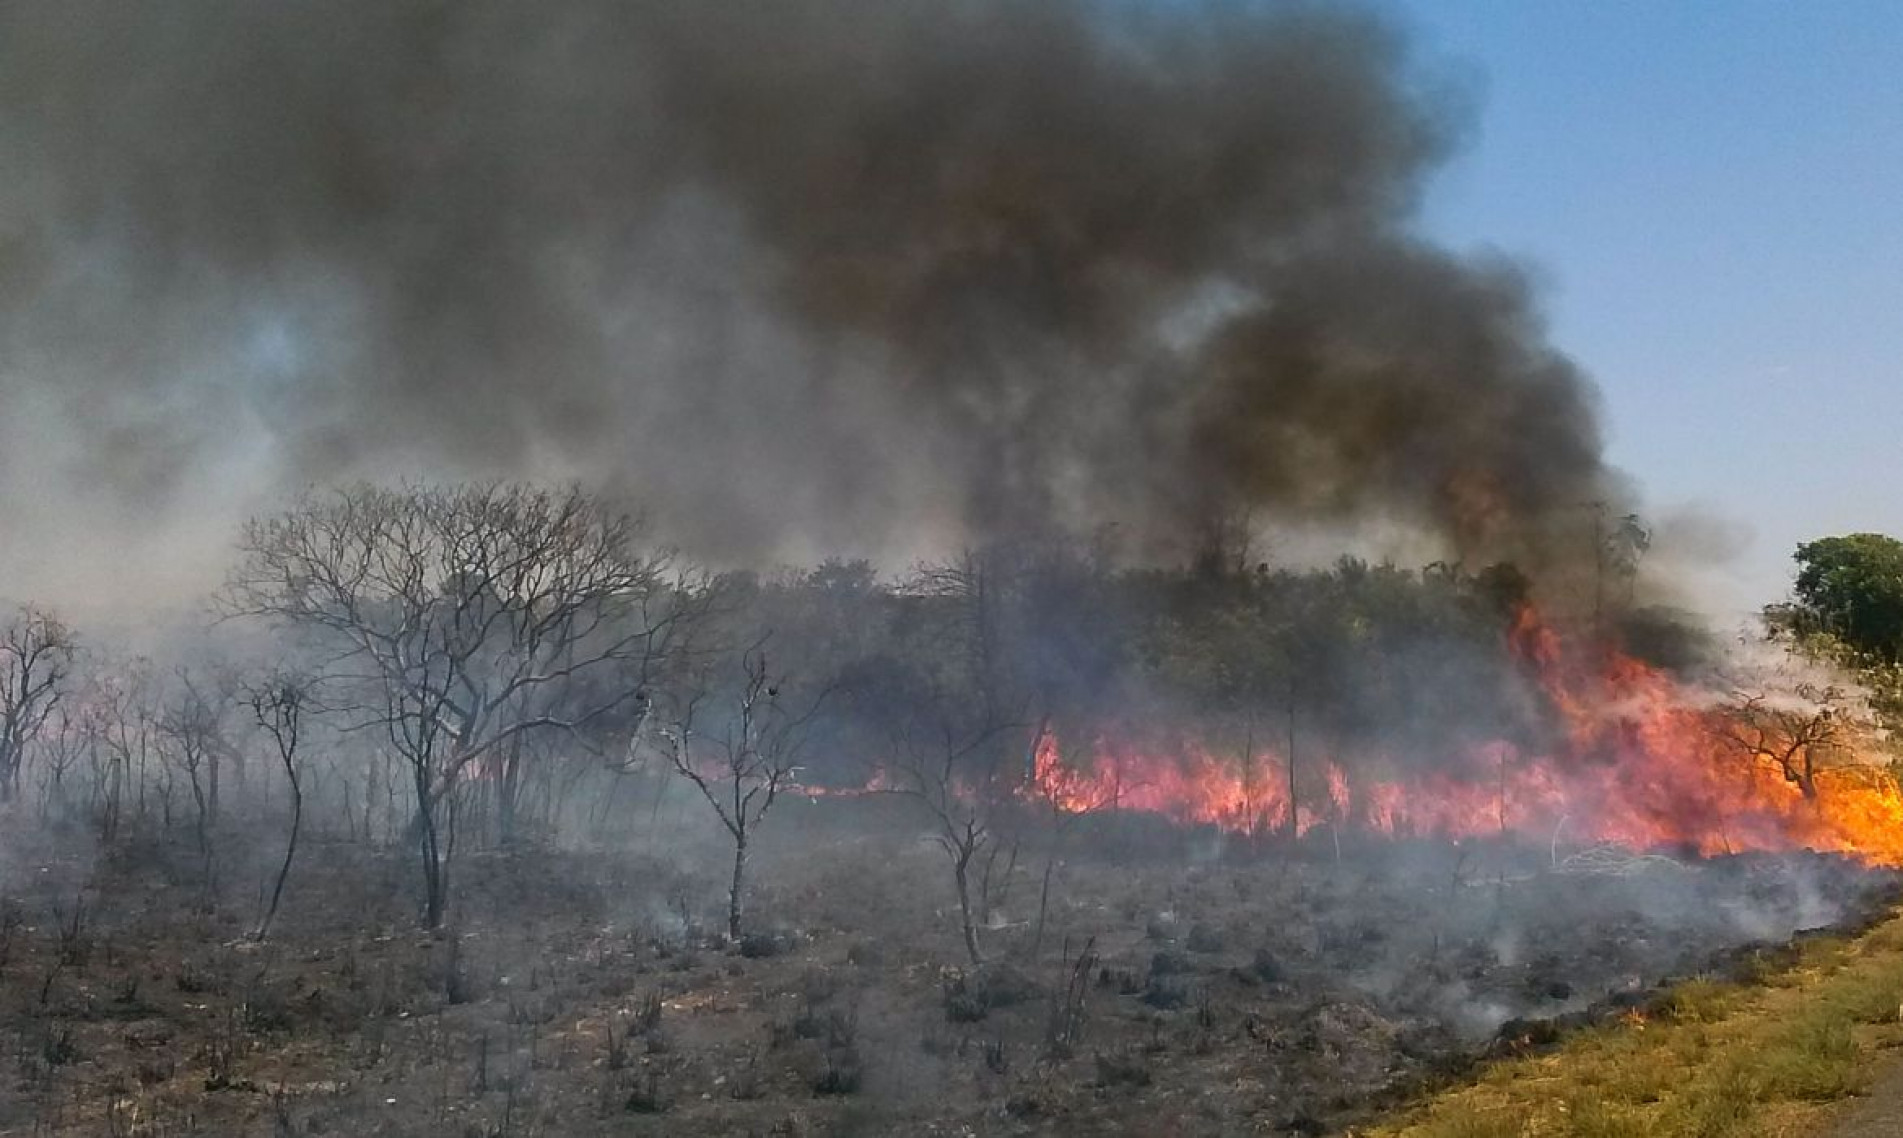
(1852, 589)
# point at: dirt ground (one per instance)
(1879, 1112)
(1179, 985)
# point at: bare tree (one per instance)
(972, 588)
(36, 660)
(740, 767)
(121, 727)
(278, 706)
(191, 738)
(949, 766)
(945, 715)
(467, 617)
(1800, 736)
(62, 742)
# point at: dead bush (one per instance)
(965, 1000)
(1122, 1069)
(647, 1014)
(1203, 938)
(837, 1027)
(1166, 993)
(57, 1046)
(840, 1074)
(760, 946)
(746, 1083)
(997, 1058)
(615, 1056)
(646, 1097)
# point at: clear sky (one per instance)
(1712, 194)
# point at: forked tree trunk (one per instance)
(435, 887)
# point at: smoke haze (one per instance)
(870, 275)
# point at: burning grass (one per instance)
(1635, 757)
(1764, 1055)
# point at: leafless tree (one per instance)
(948, 765)
(36, 661)
(62, 743)
(192, 739)
(466, 617)
(741, 766)
(1800, 737)
(278, 706)
(121, 725)
(972, 586)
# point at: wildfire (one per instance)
(1641, 762)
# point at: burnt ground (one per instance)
(1180, 987)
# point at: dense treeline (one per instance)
(439, 669)
(1363, 654)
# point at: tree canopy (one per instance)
(1851, 587)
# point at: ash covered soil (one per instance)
(1181, 984)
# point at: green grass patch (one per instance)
(1766, 1056)
(1700, 1000)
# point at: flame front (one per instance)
(1641, 762)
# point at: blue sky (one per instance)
(1712, 196)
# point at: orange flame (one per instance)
(1643, 764)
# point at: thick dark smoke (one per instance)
(872, 274)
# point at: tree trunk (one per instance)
(432, 791)
(202, 829)
(433, 889)
(735, 895)
(509, 794)
(960, 871)
(1294, 806)
(9, 772)
(434, 886)
(290, 851)
(1044, 901)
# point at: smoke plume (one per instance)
(863, 274)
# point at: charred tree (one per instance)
(1800, 738)
(278, 708)
(190, 738)
(36, 660)
(741, 767)
(951, 771)
(460, 619)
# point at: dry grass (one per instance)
(1766, 1058)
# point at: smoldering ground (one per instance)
(581, 991)
(873, 276)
